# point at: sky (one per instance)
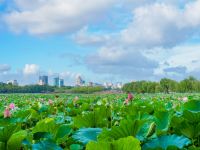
(101, 40)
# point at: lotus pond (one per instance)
(99, 122)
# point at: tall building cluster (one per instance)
(13, 82)
(79, 81)
(43, 80)
(58, 82)
(107, 85)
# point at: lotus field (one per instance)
(99, 122)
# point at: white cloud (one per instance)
(30, 75)
(83, 37)
(179, 61)
(64, 74)
(121, 62)
(163, 25)
(4, 68)
(156, 29)
(55, 16)
(158, 24)
(187, 56)
(69, 75)
(31, 69)
(30, 5)
(192, 14)
(149, 45)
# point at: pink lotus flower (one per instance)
(130, 96)
(7, 113)
(185, 99)
(12, 106)
(75, 99)
(50, 102)
(126, 101)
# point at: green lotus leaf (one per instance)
(166, 141)
(94, 119)
(44, 108)
(85, 135)
(15, 141)
(2, 146)
(46, 145)
(62, 133)
(42, 135)
(76, 147)
(190, 130)
(7, 131)
(22, 116)
(126, 128)
(193, 105)
(191, 116)
(162, 120)
(128, 143)
(45, 125)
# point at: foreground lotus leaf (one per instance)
(128, 143)
(167, 141)
(192, 105)
(192, 111)
(85, 135)
(45, 145)
(16, 139)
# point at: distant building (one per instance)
(79, 81)
(43, 80)
(108, 85)
(97, 84)
(90, 84)
(61, 82)
(119, 85)
(56, 81)
(13, 82)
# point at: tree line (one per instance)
(165, 85)
(9, 88)
(87, 89)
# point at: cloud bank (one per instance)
(132, 39)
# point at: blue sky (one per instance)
(102, 40)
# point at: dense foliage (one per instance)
(187, 85)
(9, 88)
(87, 89)
(99, 122)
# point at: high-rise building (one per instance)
(13, 82)
(56, 81)
(79, 81)
(119, 85)
(43, 80)
(90, 84)
(108, 85)
(61, 82)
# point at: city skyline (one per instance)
(103, 41)
(59, 82)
